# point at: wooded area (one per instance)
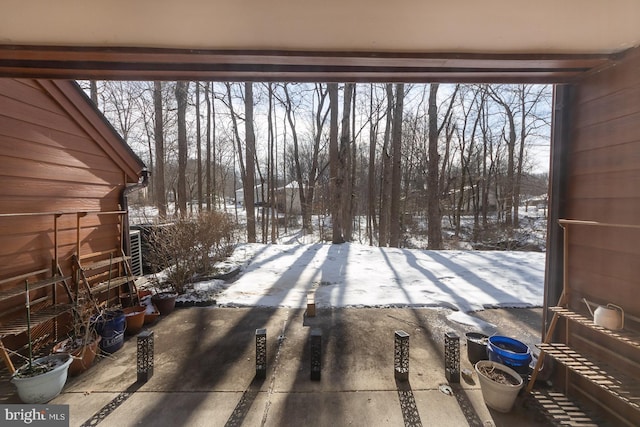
(392, 156)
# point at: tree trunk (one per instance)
(511, 145)
(93, 90)
(396, 175)
(161, 195)
(199, 148)
(250, 152)
(345, 161)
(385, 176)
(304, 204)
(518, 174)
(371, 187)
(207, 168)
(181, 98)
(434, 214)
(214, 161)
(238, 149)
(334, 166)
(272, 167)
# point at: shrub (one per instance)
(188, 248)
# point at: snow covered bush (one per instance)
(188, 248)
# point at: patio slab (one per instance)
(204, 373)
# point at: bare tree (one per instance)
(238, 149)
(250, 152)
(198, 149)
(396, 142)
(434, 212)
(160, 191)
(334, 165)
(374, 122)
(207, 168)
(509, 137)
(345, 160)
(94, 91)
(182, 88)
(385, 176)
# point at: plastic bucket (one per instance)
(110, 325)
(476, 346)
(510, 352)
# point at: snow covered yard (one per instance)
(354, 275)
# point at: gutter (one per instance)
(124, 205)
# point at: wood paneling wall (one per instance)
(50, 163)
(604, 186)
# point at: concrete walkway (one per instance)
(204, 374)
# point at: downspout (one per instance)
(124, 205)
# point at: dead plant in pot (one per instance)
(40, 380)
(82, 344)
(500, 384)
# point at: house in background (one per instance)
(288, 199)
(64, 178)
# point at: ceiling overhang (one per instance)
(332, 40)
(178, 64)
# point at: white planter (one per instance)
(500, 397)
(44, 387)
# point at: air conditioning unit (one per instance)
(136, 252)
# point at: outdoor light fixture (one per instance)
(452, 357)
(261, 353)
(401, 356)
(145, 356)
(315, 344)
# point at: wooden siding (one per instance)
(604, 186)
(56, 155)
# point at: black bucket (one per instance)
(476, 347)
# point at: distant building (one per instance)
(287, 197)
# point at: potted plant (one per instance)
(41, 379)
(165, 301)
(500, 385)
(110, 324)
(187, 250)
(83, 343)
(134, 319)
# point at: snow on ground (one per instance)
(354, 275)
(357, 275)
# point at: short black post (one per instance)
(261, 353)
(452, 357)
(144, 363)
(401, 356)
(315, 344)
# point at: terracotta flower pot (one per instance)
(83, 354)
(151, 314)
(134, 317)
(143, 293)
(165, 302)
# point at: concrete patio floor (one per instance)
(204, 373)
